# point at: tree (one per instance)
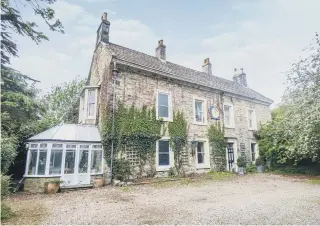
(62, 102)
(294, 132)
(11, 21)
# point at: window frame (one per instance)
(204, 109)
(254, 119)
(206, 157)
(256, 151)
(232, 123)
(93, 149)
(171, 156)
(170, 114)
(88, 103)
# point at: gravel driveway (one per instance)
(253, 199)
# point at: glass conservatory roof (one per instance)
(70, 133)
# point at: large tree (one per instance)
(19, 106)
(294, 133)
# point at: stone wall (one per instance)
(140, 88)
(36, 184)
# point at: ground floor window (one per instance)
(56, 159)
(32, 162)
(253, 152)
(200, 153)
(96, 159)
(83, 159)
(164, 152)
(70, 159)
(230, 150)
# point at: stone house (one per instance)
(120, 73)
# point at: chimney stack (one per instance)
(207, 66)
(240, 78)
(103, 30)
(161, 50)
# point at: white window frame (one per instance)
(171, 156)
(232, 124)
(204, 108)
(256, 153)
(95, 103)
(170, 114)
(254, 120)
(206, 150)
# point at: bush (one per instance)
(171, 172)
(259, 162)
(6, 211)
(121, 169)
(241, 162)
(5, 185)
(251, 168)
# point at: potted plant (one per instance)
(260, 165)
(52, 187)
(98, 181)
(241, 162)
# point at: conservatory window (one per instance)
(96, 160)
(70, 159)
(56, 159)
(42, 162)
(83, 159)
(91, 103)
(32, 161)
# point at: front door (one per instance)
(230, 156)
(83, 166)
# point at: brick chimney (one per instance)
(103, 30)
(161, 50)
(207, 66)
(240, 78)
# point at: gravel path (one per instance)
(253, 199)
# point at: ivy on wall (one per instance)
(218, 146)
(178, 131)
(133, 127)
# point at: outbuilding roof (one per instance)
(137, 59)
(70, 133)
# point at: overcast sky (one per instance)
(263, 36)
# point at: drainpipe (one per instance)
(115, 75)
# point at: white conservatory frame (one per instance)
(76, 176)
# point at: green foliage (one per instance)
(293, 135)
(251, 168)
(134, 128)
(218, 146)
(178, 131)
(8, 151)
(121, 169)
(214, 175)
(5, 186)
(241, 161)
(62, 102)
(259, 161)
(6, 211)
(11, 21)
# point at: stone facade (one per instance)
(37, 184)
(140, 87)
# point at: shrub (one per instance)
(6, 211)
(241, 162)
(121, 169)
(251, 168)
(171, 172)
(259, 162)
(5, 185)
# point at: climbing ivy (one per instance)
(218, 146)
(134, 128)
(178, 130)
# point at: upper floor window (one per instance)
(164, 105)
(91, 103)
(252, 124)
(228, 115)
(199, 111)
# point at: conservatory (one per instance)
(70, 152)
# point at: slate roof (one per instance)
(70, 133)
(175, 71)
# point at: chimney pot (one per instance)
(207, 67)
(105, 16)
(161, 50)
